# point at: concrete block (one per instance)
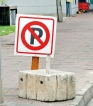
(46, 87)
(31, 86)
(41, 86)
(61, 86)
(71, 86)
(22, 84)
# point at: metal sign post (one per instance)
(48, 64)
(1, 91)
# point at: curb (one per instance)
(83, 96)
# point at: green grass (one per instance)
(5, 30)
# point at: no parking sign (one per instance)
(35, 35)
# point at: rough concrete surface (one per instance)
(39, 85)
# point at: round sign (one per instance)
(28, 27)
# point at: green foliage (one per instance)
(5, 30)
(2, 1)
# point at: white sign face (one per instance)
(35, 35)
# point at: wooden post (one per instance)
(48, 64)
(35, 63)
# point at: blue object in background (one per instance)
(67, 9)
